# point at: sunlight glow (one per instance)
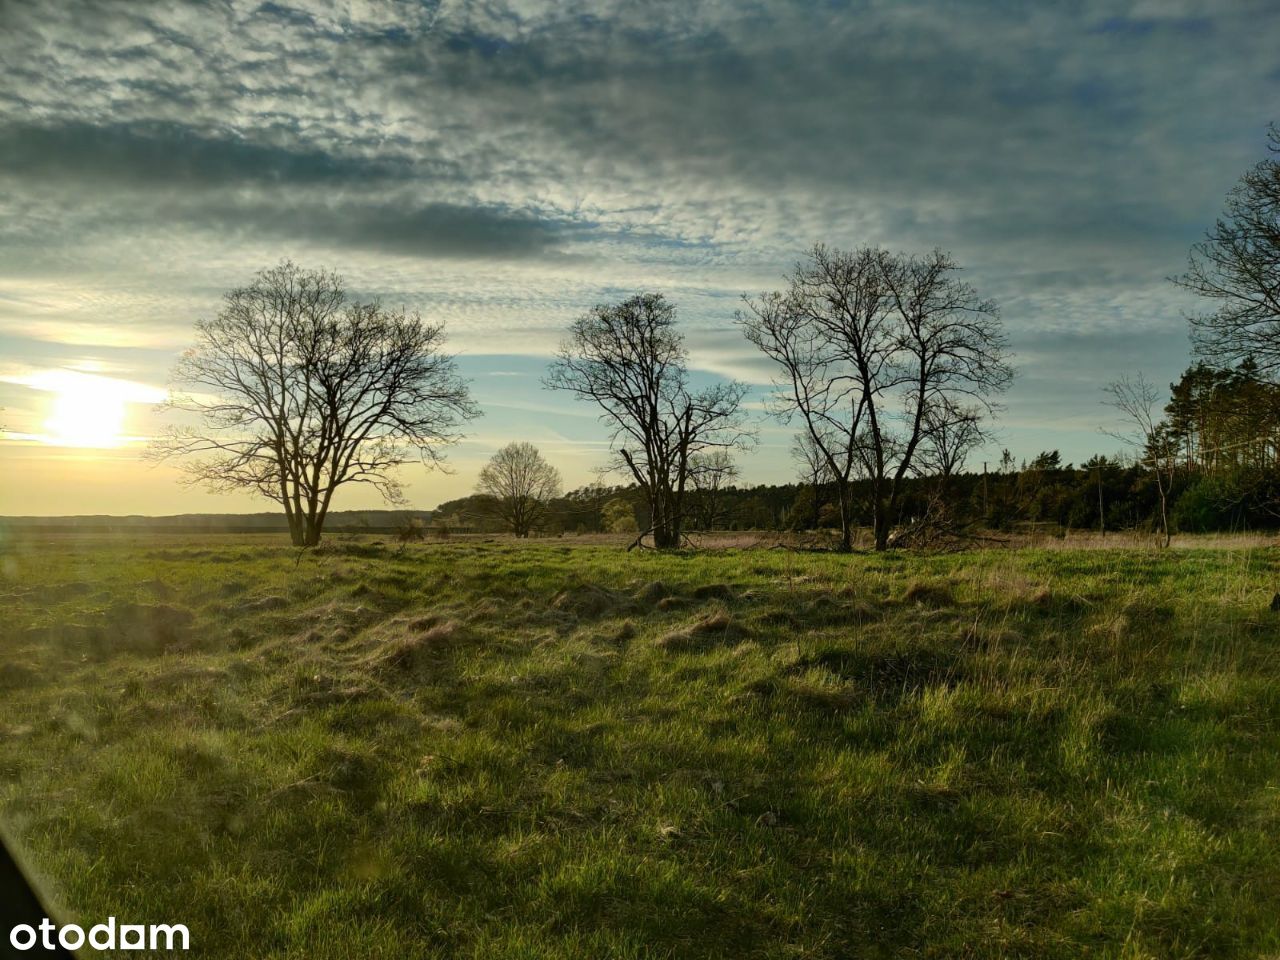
(85, 415)
(85, 410)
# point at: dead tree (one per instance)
(294, 391)
(629, 360)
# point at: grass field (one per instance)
(499, 750)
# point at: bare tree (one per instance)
(951, 433)
(628, 359)
(710, 472)
(293, 391)
(814, 382)
(1138, 401)
(868, 343)
(1238, 265)
(812, 468)
(519, 485)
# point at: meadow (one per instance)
(561, 750)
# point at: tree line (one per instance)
(889, 365)
(1105, 493)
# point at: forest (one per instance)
(1219, 440)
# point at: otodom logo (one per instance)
(101, 936)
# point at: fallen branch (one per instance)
(639, 541)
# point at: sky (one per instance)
(502, 167)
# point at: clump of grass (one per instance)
(589, 601)
(929, 594)
(715, 627)
(652, 592)
(713, 591)
(417, 648)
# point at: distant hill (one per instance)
(339, 521)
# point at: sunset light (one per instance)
(85, 410)
(85, 415)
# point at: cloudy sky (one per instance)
(503, 166)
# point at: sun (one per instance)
(86, 412)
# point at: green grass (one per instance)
(498, 750)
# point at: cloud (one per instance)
(160, 154)
(79, 382)
(504, 165)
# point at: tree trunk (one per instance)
(666, 536)
(1164, 515)
(295, 522)
(1102, 514)
(846, 524)
(311, 534)
(881, 521)
(666, 528)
